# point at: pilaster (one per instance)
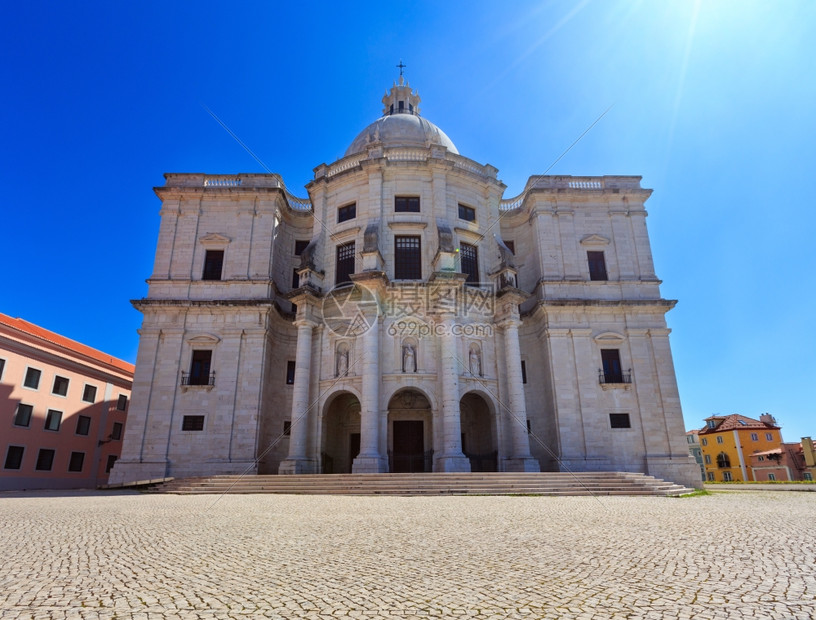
(298, 461)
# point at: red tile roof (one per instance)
(735, 421)
(61, 341)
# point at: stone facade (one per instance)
(404, 317)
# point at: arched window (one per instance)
(723, 460)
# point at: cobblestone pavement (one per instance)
(95, 555)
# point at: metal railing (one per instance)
(614, 377)
(483, 462)
(411, 463)
(197, 379)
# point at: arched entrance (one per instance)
(478, 436)
(341, 434)
(410, 433)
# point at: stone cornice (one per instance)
(662, 304)
(595, 305)
(199, 303)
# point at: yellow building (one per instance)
(728, 441)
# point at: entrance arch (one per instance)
(478, 433)
(340, 434)
(410, 432)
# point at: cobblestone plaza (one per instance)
(106, 555)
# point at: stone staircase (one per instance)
(545, 483)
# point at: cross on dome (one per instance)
(401, 99)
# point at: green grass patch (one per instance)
(696, 493)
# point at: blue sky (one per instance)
(713, 104)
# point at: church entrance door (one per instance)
(409, 446)
(478, 436)
(341, 425)
(410, 432)
(354, 448)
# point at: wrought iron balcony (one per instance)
(607, 377)
(188, 379)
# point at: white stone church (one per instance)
(405, 317)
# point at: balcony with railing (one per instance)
(193, 380)
(611, 377)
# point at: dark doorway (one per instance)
(409, 446)
(354, 448)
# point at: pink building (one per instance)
(62, 409)
(791, 461)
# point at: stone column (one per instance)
(298, 461)
(520, 459)
(451, 458)
(370, 460)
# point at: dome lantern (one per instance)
(401, 99)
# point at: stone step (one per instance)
(545, 483)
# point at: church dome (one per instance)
(400, 124)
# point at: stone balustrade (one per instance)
(345, 164)
(571, 183)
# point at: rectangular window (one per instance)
(754, 437)
(22, 417)
(619, 420)
(467, 213)
(771, 477)
(200, 368)
(45, 459)
(407, 258)
(300, 245)
(287, 428)
(14, 457)
(192, 423)
(121, 402)
(719, 439)
(83, 425)
(727, 476)
(345, 263)
(704, 441)
(511, 245)
(116, 433)
(597, 266)
(470, 262)
(808, 476)
(406, 204)
(708, 459)
(60, 386)
(710, 476)
(760, 458)
(769, 436)
(53, 420)
(290, 372)
(612, 372)
(213, 264)
(349, 212)
(89, 394)
(2, 367)
(32, 378)
(109, 465)
(523, 371)
(76, 462)
(295, 279)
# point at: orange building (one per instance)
(791, 461)
(728, 441)
(62, 409)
